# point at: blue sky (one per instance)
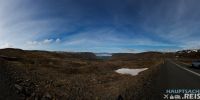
(100, 25)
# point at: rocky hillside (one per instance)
(132, 56)
(193, 53)
(18, 53)
(44, 75)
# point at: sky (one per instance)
(100, 25)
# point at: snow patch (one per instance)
(132, 72)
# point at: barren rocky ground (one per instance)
(45, 75)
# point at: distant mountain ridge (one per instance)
(14, 52)
(189, 51)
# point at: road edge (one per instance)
(195, 73)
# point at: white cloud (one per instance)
(109, 37)
(47, 41)
(33, 43)
(6, 45)
(44, 42)
(57, 40)
(19, 25)
(193, 44)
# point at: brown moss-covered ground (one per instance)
(75, 76)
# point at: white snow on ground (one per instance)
(132, 72)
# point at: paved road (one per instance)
(172, 76)
(175, 76)
(188, 66)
